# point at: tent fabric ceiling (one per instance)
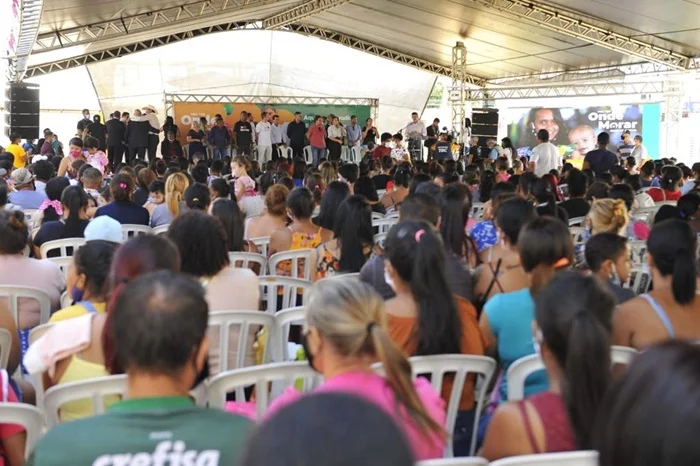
(497, 44)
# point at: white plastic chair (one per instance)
(345, 153)
(576, 222)
(341, 276)
(300, 259)
(292, 289)
(577, 234)
(377, 216)
(29, 215)
(262, 244)
(244, 260)
(37, 332)
(638, 250)
(469, 461)
(5, 347)
(477, 211)
(460, 365)
(226, 323)
(285, 153)
(14, 293)
(129, 231)
(393, 214)
(284, 321)
(161, 230)
(380, 239)
(308, 155)
(29, 417)
(574, 458)
(270, 380)
(639, 281)
(385, 224)
(62, 245)
(37, 380)
(66, 300)
(93, 389)
(521, 369)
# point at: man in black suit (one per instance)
(116, 132)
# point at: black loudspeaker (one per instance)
(22, 110)
(485, 122)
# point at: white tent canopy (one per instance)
(247, 62)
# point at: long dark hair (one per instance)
(335, 194)
(651, 416)
(544, 194)
(488, 180)
(512, 215)
(230, 216)
(672, 245)
(455, 205)
(416, 252)
(75, 199)
(574, 313)
(353, 229)
(54, 191)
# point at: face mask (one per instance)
(76, 294)
(388, 280)
(614, 277)
(75, 153)
(307, 351)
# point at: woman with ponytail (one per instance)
(572, 334)
(54, 356)
(345, 333)
(672, 310)
(122, 208)
(175, 187)
(425, 318)
(74, 204)
(545, 248)
(335, 194)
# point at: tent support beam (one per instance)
(557, 20)
(338, 38)
(567, 90)
(299, 12)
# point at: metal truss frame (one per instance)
(172, 99)
(596, 72)
(381, 51)
(144, 22)
(458, 92)
(301, 11)
(570, 90)
(325, 34)
(116, 52)
(673, 112)
(559, 21)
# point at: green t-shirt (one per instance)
(146, 432)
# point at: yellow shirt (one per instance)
(19, 154)
(77, 310)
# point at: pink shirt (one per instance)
(375, 389)
(502, 177)
(317, 136)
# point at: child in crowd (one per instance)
(94, 156)
(156, 196)
(246, 195)
(443, 148)
(502, 169)
(608, 256)
(215, 170)
(91, 180)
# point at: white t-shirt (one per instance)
(546, 158)
(264, 132)
(640, 153)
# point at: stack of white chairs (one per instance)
(356, 154)
(385, 224)
(640, 279)
(246, 260)
(262, 244)
(130, 231)
(477, 211)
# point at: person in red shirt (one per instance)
(670, 185)
(384, 149)
(12, 436)
(317, 139)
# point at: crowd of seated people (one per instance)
(443, 258)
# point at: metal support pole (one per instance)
(458, 91)
(675, 95)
